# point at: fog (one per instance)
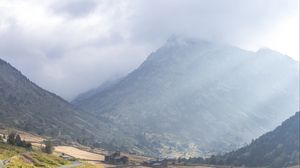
(71, 46)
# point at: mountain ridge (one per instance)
(188, 80)
(26, 106)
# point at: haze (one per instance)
(71, 46)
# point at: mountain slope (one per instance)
(278, 148)
(26, 106)
(193, 97)
(86, 95)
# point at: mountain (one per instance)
(84, 96)
(193, 97)
(278, 148)
(26, 106)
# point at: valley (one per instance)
(75, 156)
(149, 84)
(189, 99)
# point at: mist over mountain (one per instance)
(189, 98)
(193, 97)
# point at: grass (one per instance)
(88, 165)
(40, 159)
(35, 160)
(8, 151)
(18, 161)
(21, 158)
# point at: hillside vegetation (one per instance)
(15, 157)
(278, 148)
(26, 106)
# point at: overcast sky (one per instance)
(71, 46)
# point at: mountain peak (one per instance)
(265, 50)
(188, 90)
(175, 40)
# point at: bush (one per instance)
(48, 147)
(15, 139)
(11, 138)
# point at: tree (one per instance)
(11, 138)
(27, 145)
(15, 139)
(18, 140)
(48, 147)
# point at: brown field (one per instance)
(93, 158)
(31, 137)
(78, 153)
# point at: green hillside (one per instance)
(13, 156)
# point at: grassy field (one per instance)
(20, 157)
(36, 159)
(8, 151)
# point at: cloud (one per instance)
(227, 21)
(71, 46)
(75, 8)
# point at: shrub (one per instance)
(11, 138)
(48, 147)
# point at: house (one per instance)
(172, 161)
(116, 158)
(156, 163)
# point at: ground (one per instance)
(84, 157)
(12, 156)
